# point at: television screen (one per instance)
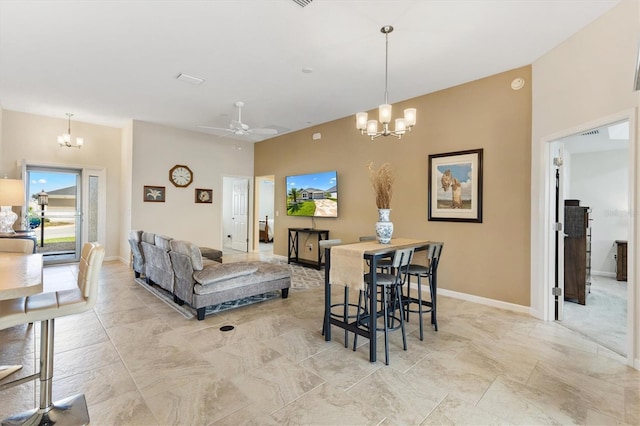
(314, 194)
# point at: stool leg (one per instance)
(432, 290)
(401, 316)
(69, 411)
(345, 315)
(355, 336)
(385, 312)
(420, 306)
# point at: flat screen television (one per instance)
(313, 194)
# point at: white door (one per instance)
(239, 215)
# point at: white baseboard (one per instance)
(485, 301)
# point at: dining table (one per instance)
(20, 276)
(346, 265)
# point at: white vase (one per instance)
(384, 227)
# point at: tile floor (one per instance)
(138, 362)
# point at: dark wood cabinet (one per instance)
(576, 253)
(621, 260)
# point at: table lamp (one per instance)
(11, 194)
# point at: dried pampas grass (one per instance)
(382, 182)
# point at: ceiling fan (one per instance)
(238, 128)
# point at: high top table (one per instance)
(20, 276)
(348, 260)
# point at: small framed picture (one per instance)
(455, 186)
(204, 196)
(154, 194)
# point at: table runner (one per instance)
(347, 260)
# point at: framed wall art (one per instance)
(154, 194)
(455, 186)
(204, 196)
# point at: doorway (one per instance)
(235, 214)
(74, 212)
(594, 168)
(265, 214)
(57, 222)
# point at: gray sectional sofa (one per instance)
(181, 268)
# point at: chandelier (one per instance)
(65, 138)
(402, 125)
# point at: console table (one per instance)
(294, 249)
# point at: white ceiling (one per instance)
(111, 61)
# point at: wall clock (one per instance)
(181, 176)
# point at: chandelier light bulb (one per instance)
(361, 120)
(372, 127)
(410, 117)
(384, 113)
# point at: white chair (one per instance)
(45, 307)
(17, 245)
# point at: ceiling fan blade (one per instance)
(264, 131)
(238, 125)
(215, 128)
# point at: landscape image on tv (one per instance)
(314, 194)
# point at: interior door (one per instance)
(559, 196)
(239, 215)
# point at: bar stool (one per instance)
(341, 309)
(434, 250)
(45, 307)
(390, 286)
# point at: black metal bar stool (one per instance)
(341, 310)
(391, 290)
(434, 250)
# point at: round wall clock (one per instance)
(181, 176)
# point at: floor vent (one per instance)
(302, 3)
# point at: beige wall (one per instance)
(34, 138)
(581, 82)
(155, 150)
(490, 259)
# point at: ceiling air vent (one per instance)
(591, 133)
(302, 3)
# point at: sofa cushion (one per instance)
(224, 271)
(266, 272)
(163, 242)
(190, 250)
(148, 237)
